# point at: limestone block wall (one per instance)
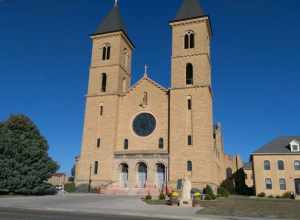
(201, 152)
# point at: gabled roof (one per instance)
(279, 145)
(145, 77)
(112, 22)
(188, 10)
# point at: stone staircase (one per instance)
(115, 189)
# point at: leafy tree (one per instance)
(228, 185)
(25, 165)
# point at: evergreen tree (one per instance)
(25, 165)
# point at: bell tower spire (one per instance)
(110, 71)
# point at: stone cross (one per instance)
(146, 69)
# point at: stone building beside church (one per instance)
(139, 138)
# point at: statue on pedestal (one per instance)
(186, 192)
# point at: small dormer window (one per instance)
(295, 146)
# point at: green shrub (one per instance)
(209, 192)
(208, 197)
(271, 197)
(70, 187)
(287, 195)
(228, 184)
(162, 196)
(223, 192)
(262, 194)
(148, 197)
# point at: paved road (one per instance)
(18, 214)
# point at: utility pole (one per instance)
(90, 178)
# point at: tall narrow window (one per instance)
(145, 99)
(126, 143)
(267, 165)
(108, 53)
(104, 53)
(189, 103)
(98, 142)
(124, 84)
(268, 182)
(101, 110)
(192, 40)
(126, 57)
(161, 143)
(190, 140)
(282, 184)
(186, 41)
(96, 167)
(280, 165)
(104, 82)
(189, 74)
(189, 166)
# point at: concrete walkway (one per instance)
(92, 203)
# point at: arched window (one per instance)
(297, 165)
(282, 184)
(189, 40)
(106, 52)
(192, 40)
(189, 102)
(186, 41)
(161, 143)
(189, 74)
(126, 144)
(98, 142)
(96, 165)
(145, 99)
(280, 165)
(126, 57)
(124, 84)
(267, 165)
(101, 109)
(189, 166)
(190, 140)
(104, 82)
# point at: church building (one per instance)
(144, 138)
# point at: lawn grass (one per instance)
(252, 207)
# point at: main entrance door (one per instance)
(142, 175)
(160, 172)
(297, 186)
(124, 176)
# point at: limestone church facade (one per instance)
(141, 138)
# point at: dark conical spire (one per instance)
(189, 9)
(112, 22)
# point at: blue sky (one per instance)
(45, 54)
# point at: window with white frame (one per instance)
(295, 146)
(268, 182)
(282, 184)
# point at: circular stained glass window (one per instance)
(144, 124)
